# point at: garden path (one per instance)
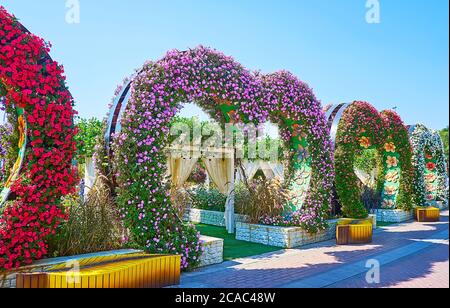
(410, 255)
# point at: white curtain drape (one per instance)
(250, 169)
(90, 175)
(180, 169)
(220, 172)
(278, 170)
(271, 170)
(267, 170)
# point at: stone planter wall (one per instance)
(209, 217)
(393, 216)
(212, 251)
(283, 237)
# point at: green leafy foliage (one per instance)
(367, 161)
(234, 249)
(88, 132)
(445, 140)
(204, 198)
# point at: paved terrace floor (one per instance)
(411, 255)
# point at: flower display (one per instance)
(365, 142)
(392, 176)
(363, 127)
(35, 83)
(397, 145)
(431, 177)
(390, 147)
(390, 190)
(431, 188)
(430, 197)
(388, 204)
(212, 80)
(392, 161)
(430, 165)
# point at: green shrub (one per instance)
(204, 198)
(88, 132)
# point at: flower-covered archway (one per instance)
(430, 165)
(139, 127)
(32, 83)
(357, 127)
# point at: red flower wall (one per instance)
(35, 83)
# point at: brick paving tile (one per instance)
(428, 269)
(288, 266)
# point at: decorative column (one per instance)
(230, 216)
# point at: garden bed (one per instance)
(283, 237)
(393, 216)
(234, 249)
(212, 251)
(211, 218)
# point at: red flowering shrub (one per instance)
(36, 83)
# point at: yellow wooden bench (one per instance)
(351, 231)
(107, 272)
(427, 214)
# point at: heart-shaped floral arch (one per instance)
(359, 126)
(32, 82)
(230, 93)
(430, 165)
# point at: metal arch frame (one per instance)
(116, 114)
(334, 117)
(23, 138)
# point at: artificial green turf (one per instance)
(384, 224)
(234, 249)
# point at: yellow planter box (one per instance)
(129, 271)
(427, 214)
(351, 231)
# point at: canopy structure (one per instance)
(220, 165)
(250, 169)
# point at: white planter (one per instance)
(283, 237)
(209, 217)
(393, 216)
(212, 251)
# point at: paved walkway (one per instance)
(409, 255)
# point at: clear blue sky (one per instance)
(403, 61)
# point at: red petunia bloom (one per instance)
(431, 166)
